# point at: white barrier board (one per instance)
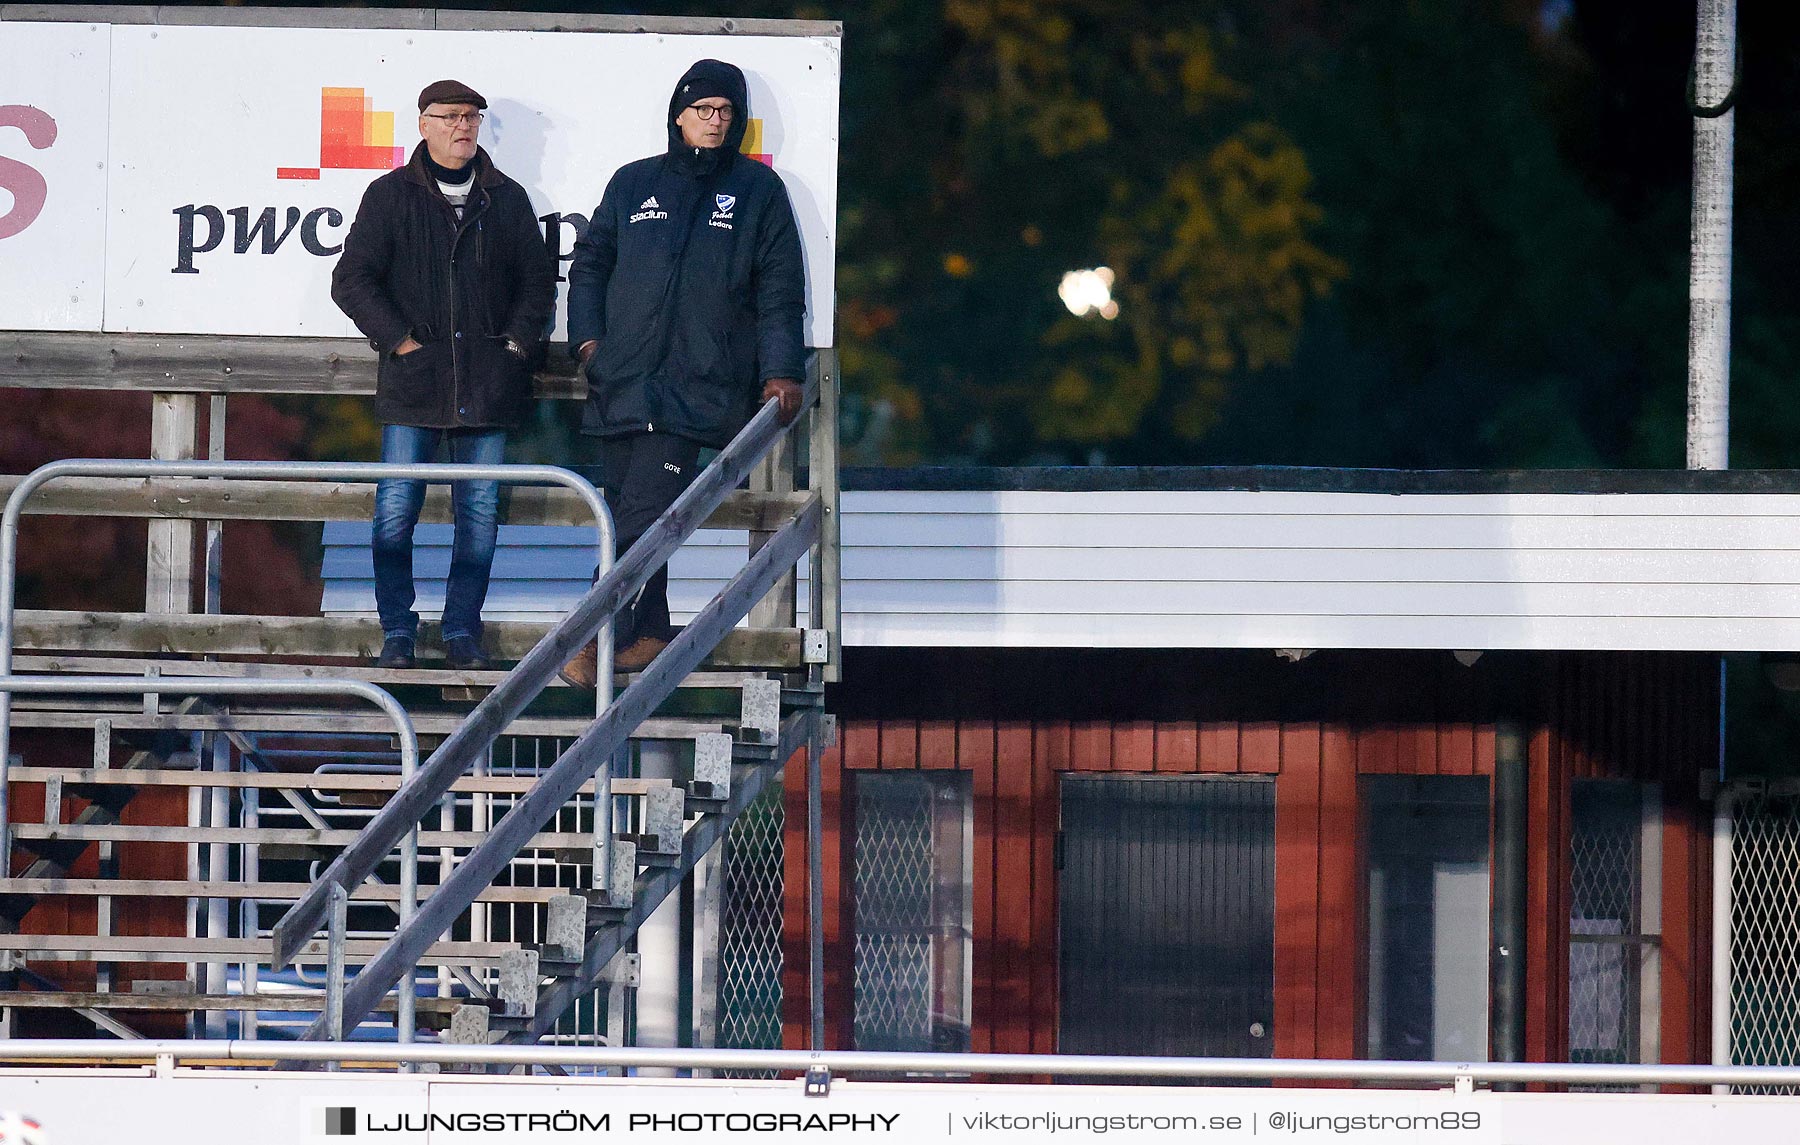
(94, 1107)
(53, 108)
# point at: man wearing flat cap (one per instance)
(685, 301)
(446, 272)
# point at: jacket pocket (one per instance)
(707, 399)
(408, 383)
(500, 381)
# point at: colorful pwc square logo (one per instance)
(753, 144)
(352, 136)
(340, 1121)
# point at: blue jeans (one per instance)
(477, 512)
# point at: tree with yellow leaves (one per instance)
(1026, 138)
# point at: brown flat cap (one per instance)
(450, 91)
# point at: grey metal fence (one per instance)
(1612, 929)
(911, 923)
(1765, 928)
(750, 929)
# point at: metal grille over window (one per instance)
(912, 904)
(1613, 922)
(750, 930)
(1765, 929)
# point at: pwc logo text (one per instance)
(353, 136)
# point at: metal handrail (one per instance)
(610, 592)
(295, 471)
(405, 1005)
(1460, 1074)
(594, 750)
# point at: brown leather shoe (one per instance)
(638, 656)
(584, 670)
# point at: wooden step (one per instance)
(187, 1002)
(333, 721)
(74, 777)
(250, 499)
(28, 833)
(158, 948)
(331, 636)
(274, 892)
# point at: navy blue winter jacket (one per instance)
(690, 278)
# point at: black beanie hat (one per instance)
(703, 82)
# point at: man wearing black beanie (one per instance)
(686, 295)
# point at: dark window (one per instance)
(1427, 852)
(1167, 916)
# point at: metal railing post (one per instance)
(824, 588)
(1722, 911)
(815, 889)
(334, 964)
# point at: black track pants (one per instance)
(643, 474)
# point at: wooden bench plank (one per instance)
(296, 780)
(302, 1003)
(269, 836)
(159, 948)
(217, 364)
(323, 636)
(337, 722)
(76, 664)
(267, 780)
(199, 888)
(250, 500)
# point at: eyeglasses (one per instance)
(706, 111)
(457, 119)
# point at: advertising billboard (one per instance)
(203, 178)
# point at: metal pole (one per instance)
(1714, 91)
(250, 816)
(1506, 958)
(215, 755)
(1721, 931)
(406, 1002)
(1709, 280)
(334, 964)
(815, 889)
(826, 587)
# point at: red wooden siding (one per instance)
(78, 914)
(1643, 716)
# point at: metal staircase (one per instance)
(532, 878)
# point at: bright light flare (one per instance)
(1089, 292)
